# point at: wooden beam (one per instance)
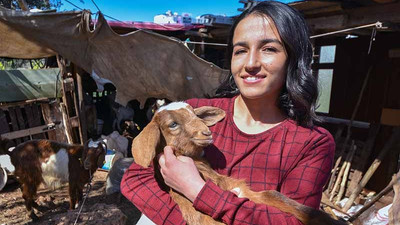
(356, 17)
(81, 104)
(394, 53)
(390, 117)
(5, 106)
(28, 132)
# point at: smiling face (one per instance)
(259, 58)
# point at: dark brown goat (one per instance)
(54, 164)
(185, 128)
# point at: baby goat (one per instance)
(54, 164)
(186, 129)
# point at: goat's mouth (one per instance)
(202, 142)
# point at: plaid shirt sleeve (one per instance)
(139, 186)
(303, 184)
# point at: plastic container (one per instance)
(3, 178)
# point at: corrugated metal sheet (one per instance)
(24, 84)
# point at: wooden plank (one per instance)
(29, 115)
(67, 126)
(52, 114)
(4, 128)
(5, 106)
(14, 122)
(390, 117)
(356, 17)
(394, 53)
(21, 122)
(362, 160)
(81, 104)
(33, 119)
(46, 112)
(37, 121)
(28, 132)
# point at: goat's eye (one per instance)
(173, 125)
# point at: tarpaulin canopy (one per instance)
(24, 84)
(140, 64)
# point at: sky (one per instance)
(135, 10)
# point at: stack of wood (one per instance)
(341, 184)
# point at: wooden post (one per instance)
(81, 106)
(365, 153)
(346, 172)
(375, 164)
(340, 174)
(394, 211)
(67, 126)
(52, 114)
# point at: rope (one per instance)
(99, 11)
(376, 25)
(88, 187)
(372, 39)
(204, 43)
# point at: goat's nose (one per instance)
(206, 133)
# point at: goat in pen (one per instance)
(53, 163)
(186, 129)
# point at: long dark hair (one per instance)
(299, 95)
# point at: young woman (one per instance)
(267, 137)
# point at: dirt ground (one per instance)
(99, 208)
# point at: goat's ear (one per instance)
(209, 114)
(145, 144)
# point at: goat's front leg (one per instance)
(73, 196)
(28, 193)
(189, 213)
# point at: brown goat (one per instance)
(186, 129)
(54, 164)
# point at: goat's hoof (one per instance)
(34, 217)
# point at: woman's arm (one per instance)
(139, 186)
(304, 184)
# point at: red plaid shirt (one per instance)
(294, 160)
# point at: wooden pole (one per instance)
(346, 173)
(341, 172)
(325, 201)
(375, 164)
(79, 105)
(394, 211)
(377, 197)
(363, 157)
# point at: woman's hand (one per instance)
(180, 173)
